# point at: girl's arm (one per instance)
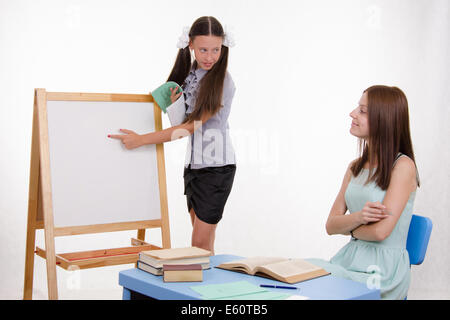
(403, 182)
(132, 140)
(173, 133)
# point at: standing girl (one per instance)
(378, 190)
(208, 91)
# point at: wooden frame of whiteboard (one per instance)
(40, 210)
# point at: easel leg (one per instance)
(29, 264)
(165, 232)
(51, 265)
(33, 198)
(44, 163)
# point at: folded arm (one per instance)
(375, 221)
(403, 182)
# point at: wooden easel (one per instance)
(40, 210)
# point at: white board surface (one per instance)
(95, 179)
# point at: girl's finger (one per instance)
(127, 131)
(115, 136)
(379, 216)
(384, 213)
(376, 205)
(373, 211)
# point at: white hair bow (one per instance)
(228, 40)
(183, 40)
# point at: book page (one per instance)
(290, 267)
(252, 263)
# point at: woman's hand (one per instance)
(131, 139)
(373, 212)
(174, 96)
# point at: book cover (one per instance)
(177, 253)
(192, 255)
(183, 273)
(145, 267)
(181, 267)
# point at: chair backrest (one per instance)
(418, 236)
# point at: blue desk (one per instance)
(324, 288)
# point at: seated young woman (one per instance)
(378, 191)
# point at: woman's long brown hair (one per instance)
(209, 97)
(389, 133)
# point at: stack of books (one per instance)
(153, 261)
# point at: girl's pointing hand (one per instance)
(130, 139)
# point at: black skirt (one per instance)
(207, 191)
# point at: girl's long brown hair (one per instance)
(209, 97)
(389, 133)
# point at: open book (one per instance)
(281, 269)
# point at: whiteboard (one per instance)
(95, 179)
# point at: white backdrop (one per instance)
(299, 67)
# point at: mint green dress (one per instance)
(380, 265)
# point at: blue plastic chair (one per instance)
(418, 236)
